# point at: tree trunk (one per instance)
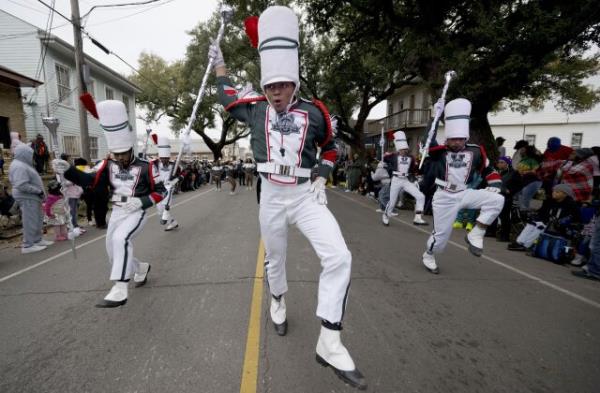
(481, 132)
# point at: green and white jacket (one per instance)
(294, 140)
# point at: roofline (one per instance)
(52, 39)
(21, 79)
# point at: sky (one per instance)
(160, 28)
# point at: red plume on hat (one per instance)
(89, 104)
(154, 138)
(251, 24)
(390, 135)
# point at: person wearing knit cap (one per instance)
(289, 136)
(454, 168)
(511, 185)
(135, 187)
(403, 168)
(165, 169)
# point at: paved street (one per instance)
(502, 323)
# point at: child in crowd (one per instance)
(55, 210)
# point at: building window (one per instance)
(63, 82)
(390, 108)
(126, 102)
(576, 139)
(94, 148)
(109, 93)
(71, 145)
(530, 139)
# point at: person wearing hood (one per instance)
(290, 136)
(554, 156)
(28, 192)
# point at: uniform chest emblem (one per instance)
(124, 176)
(457, 160)
(284, 124)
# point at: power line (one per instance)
(105, 49)
(130, 15)
(118, 5)
(26, 6)
(45, 42)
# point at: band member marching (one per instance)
(286, 132)
(135, 186)
(453, 167)
(403, 169)
(165, 168)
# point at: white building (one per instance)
(410, 108)
(21, 47)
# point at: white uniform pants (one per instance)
(123, 227)
(281, 206)
(446, 206)
(160, 207)
(399, 186)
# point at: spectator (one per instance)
(15, 140)
(528, 169)
(500, 145)
(88, 195)
(382, 175)
(1, 161)
(554, 156)
(591, 271)
(595, 160)
(40, 153)
(28, 191)
(557, 213)
(354, 173)
(578, 173)
(55, 210)
(511, 185)
(520, 148)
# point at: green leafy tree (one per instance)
(520, 52)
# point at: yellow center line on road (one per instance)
(250, 370)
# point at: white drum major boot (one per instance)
(116, 297)
(278, 314)
(141, 275)
(429, 262)
(332, 353)
(475, 240)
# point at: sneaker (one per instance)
(44, 242)
(457, 225)
(34, 248)
(90, 223)
(393, 214)
(469, 226)
(378, 211)
(516, 247)
(578, 261)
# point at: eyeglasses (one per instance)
(279, 86)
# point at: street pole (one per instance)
(81, 87)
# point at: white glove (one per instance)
(173, 182)
(214, 52)
(132, 205)
(60, 166)
(438, 107)
(495, 190)
(318, 190)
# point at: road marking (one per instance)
(50, 259)
(493, 260)
(250, 370)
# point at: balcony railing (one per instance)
(407, 118)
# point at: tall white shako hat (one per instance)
(278, 42)
(457, 115)
(400, 140)
(113, 119)
(164, 147)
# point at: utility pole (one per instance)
(81, 87)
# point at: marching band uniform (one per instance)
(403, 169)
(165, 170)
(216, 172)
(285, 147)
(452, 172)
(135, 187)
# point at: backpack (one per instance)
(553, 248)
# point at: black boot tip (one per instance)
(420, 223)
(472, 249)
(281, 329)
(433, 271)
(110, 303)
(353, 378)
